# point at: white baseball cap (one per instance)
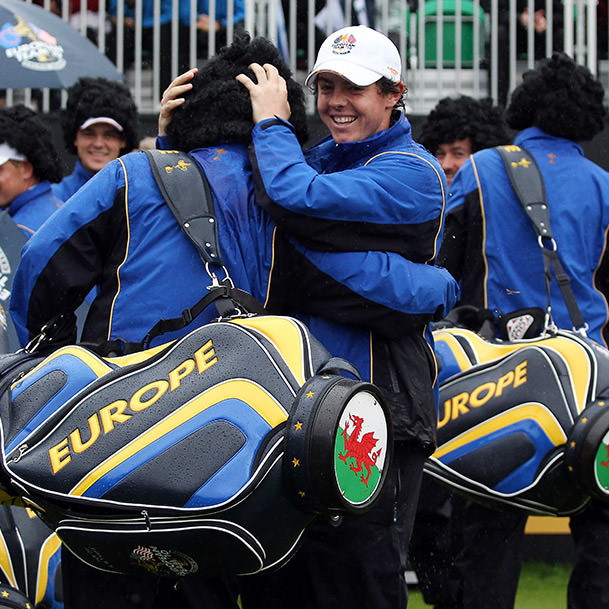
(8, 153)
(102, 119)
(359, 54)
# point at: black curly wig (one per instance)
(459, 118)
(560, 97)
(94, 97)
(218, 109)
(23, 130)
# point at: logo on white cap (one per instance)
(359, 54)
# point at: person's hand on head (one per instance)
(171, 97)
(269, 95)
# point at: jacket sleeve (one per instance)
(61, 263)
(380, 291)
(401, 209)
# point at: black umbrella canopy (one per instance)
(38, 49)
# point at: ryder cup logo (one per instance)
(32, 47)
(343, 44)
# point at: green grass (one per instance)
(542, 586)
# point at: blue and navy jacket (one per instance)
(383, 193)
(71, 183)
(490, 245)
(31, 208)
(118, 234)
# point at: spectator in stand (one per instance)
(491, 247)
(541, 24)
(28, 164)
(455, 128)
(129, 35)
(204, 25)
(100, 123)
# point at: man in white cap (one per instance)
(100, 123)
(28, 165)
(368, 186)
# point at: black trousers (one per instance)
(359, 563)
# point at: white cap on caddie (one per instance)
(359, 54)
(101, 119)
(8, 153)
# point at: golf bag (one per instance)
(208, 455)
(30, 560)
(523, 423)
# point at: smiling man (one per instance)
(382, 191)
(100, 123)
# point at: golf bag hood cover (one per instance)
(523, 423)
(171, 460)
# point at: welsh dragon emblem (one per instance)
(360, 451)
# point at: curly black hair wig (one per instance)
(459, 118)
(560, 97)
(26, 132)
(218, 109)
(93, 97)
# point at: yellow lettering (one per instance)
(113, 413)
(520, 376)
(136, 404)
(177, 374)
(476, 401)
(60, 455)
(446, 417)
(78, 446)
(205, 356)
(504, 381)
(459, 404)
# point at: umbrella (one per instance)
(38, 49)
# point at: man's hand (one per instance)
(269, 96)
(171, 100)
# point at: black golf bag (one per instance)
(523, 423)
(205, 456)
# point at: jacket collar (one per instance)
(31, 193)
(533, 136)
(334, 157)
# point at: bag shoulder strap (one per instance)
(186, 190)
(527, 181)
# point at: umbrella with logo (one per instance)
(38, 49)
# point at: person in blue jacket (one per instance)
(368, 185)
(99, 123)
(490, 245)
(29, 163)
(118, 232)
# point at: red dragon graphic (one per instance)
(359, 450)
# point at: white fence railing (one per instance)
(474, 47)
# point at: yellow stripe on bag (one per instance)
(96, 364)
(241, 389)
(285, 334)
(455, 348)
(49, 548)
(5, 562)
(536, 412)
(576, 356)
